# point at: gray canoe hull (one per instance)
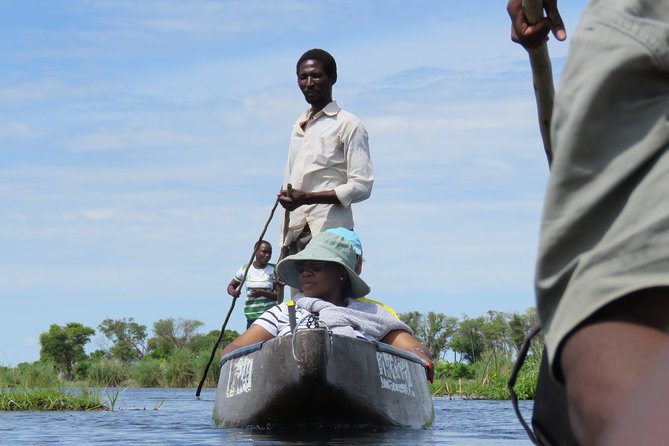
(322, 380)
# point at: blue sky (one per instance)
(142, 145)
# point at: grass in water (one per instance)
(113, 398)
(48, 399)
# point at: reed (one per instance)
(146, 373)
(213, 371)
(107, 372)
(113, 396)
(48, 400)
(6, 377)
(36, 374)
(178, 369)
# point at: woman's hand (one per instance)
(403, 340)
(421, 351)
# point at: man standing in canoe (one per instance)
(329, 166)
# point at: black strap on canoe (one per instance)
(550, 414)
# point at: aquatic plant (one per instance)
(113, 396)
(48, 399)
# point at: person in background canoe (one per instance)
(261, 292)
(354, 240)
(324, 270)
(603, 268)
(329, 166)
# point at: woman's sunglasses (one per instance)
(315, 266)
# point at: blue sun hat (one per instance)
(349, 235)
(327, 247)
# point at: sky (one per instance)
(142, 145)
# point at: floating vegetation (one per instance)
(49, 399)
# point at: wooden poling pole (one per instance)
(544, 93)
(284, 247)
(234, 300)
(542, 77)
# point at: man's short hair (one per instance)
(325, 58)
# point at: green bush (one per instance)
(37, 374)
(80, 370)
(493, 387)
(453, 370)
(214, 370)
(6, 377)
(107, 372)
(526, 382)
(487, 378)
(146, 373)
(178, 369)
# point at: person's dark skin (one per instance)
(316, 86)
(327, 283)
(532, 36)
(608, 360)
(262, 257)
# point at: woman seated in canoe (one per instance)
(324, 271)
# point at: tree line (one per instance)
(128, 343)
(173, 352)
(470, 339)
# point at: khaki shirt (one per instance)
(332, 153)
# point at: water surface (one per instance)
(176, 417)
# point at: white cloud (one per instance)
(16, 131)
(42, 89)
(101, 214)
(135, 139)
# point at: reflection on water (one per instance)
(175, 416)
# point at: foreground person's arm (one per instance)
(403, 340)
(253, 335)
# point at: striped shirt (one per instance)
(257, 279)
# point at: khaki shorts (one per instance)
(605, 229)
